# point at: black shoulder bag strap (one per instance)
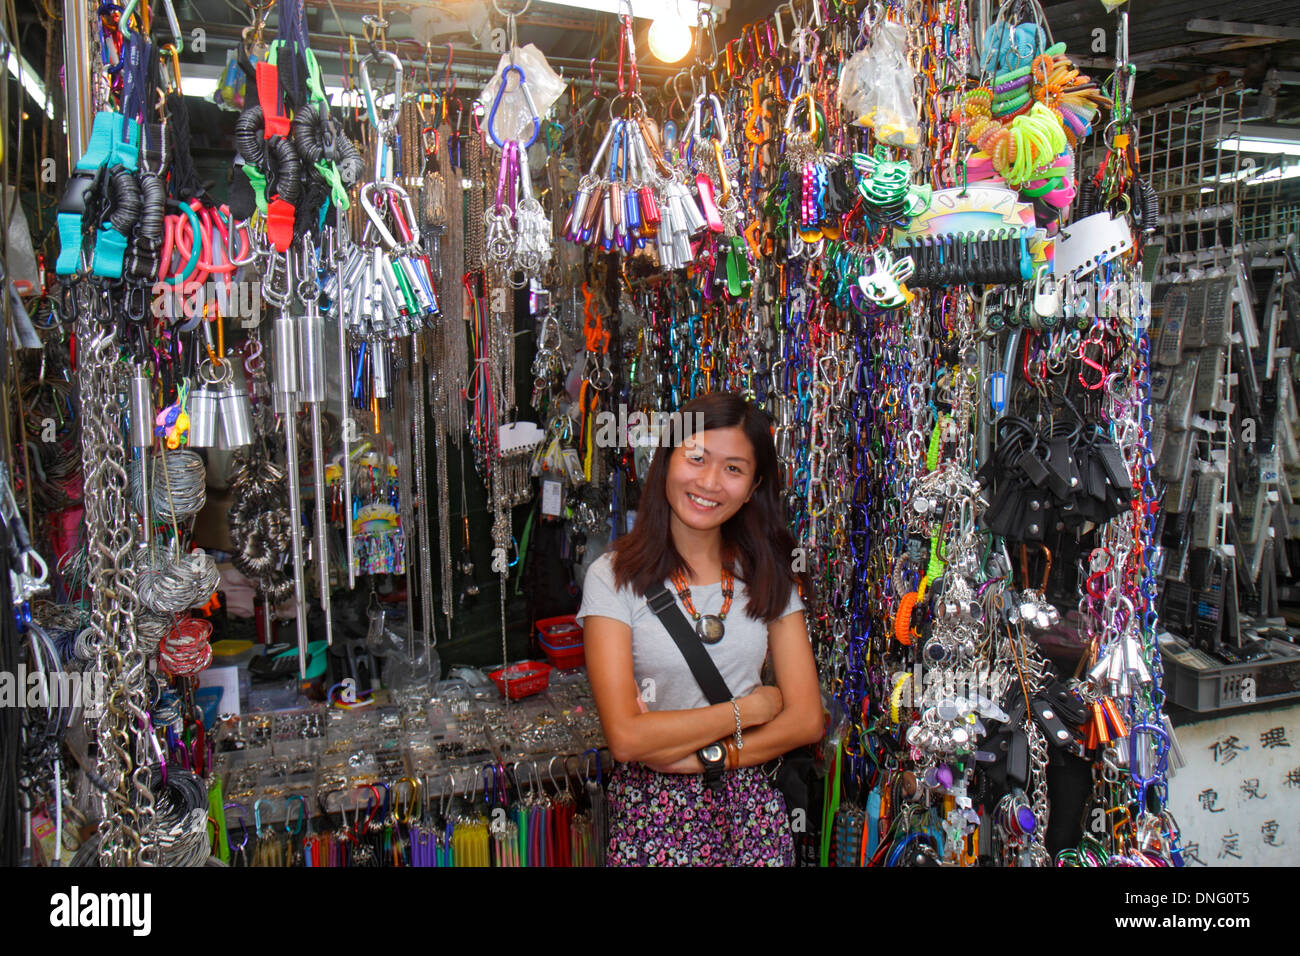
(661, 601)
(790, 774)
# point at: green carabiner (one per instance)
(302, 814)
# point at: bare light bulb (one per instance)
(670, 39)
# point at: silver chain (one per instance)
(123, 730)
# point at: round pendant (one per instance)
(710, 628)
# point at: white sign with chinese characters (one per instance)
(1237, 801)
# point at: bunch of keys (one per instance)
(935, 492)
(819, 191)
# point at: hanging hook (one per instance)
(586, 766)
(550, 772)
(447, 74)
(444, 799)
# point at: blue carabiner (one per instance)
(804, 380)
(1026, 261)
(616, 151)
(243, 825)
(528, 99)
(600, 776)
(1158, 770)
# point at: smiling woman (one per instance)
(690, 789)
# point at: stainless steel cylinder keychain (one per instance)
(312, 391)
(285, 387)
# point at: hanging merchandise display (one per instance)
(388, 324)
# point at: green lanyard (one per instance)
(831, 804)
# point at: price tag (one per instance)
(552, 498)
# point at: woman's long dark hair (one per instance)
(756, 541)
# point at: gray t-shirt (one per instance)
(655, 657)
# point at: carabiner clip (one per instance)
(302, 814)
(387, 123)
(528, 99)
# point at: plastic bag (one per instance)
(514, 120)
(855, 94)
(876, 88)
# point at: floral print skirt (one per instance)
(658, 819)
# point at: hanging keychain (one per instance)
(518, 228)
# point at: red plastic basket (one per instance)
(559, 632)
(567, 657)
(523, 680)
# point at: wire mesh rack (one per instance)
(1198, 184)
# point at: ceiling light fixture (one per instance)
(1275, 175)
(670, 39)
(1271, 140)
(644, 9)
(22, 70)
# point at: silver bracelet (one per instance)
(740, 742)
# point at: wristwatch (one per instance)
(714, 758)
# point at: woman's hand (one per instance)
(761, 706)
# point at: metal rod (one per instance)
(345, 381)
(984, 438)
(77, 93)
(141, 411)
(330, 45)
(285, 331)
(295, 519)
(312, 391)
(421, 461)
(322, 540)
(146, 515)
